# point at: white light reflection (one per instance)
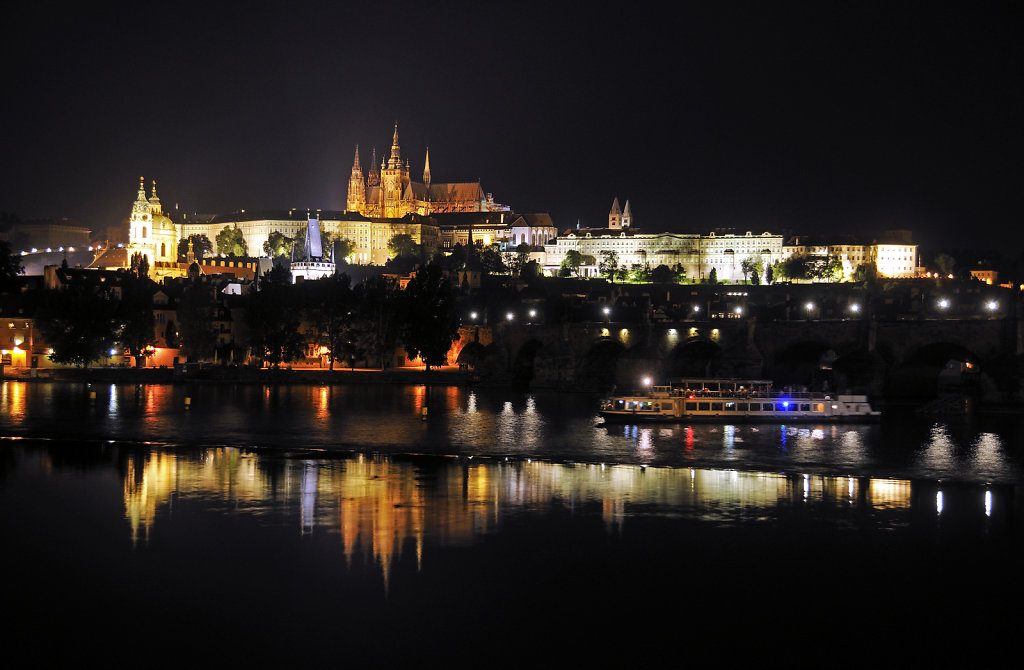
(807, 486)
(988, 503)
(938, 502)
(471, 403)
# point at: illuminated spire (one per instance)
(355, 163)
(395, 162)
(426, 169)
(374, 176)
(627, 216)
(142, 189)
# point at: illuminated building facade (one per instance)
(697, 254)
(894, 255)
(152, 234)
(369, 236)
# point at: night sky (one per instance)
(850, 117)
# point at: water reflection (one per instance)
(378, 505)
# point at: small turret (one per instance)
(426, 169)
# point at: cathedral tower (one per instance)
(392, 181)
(356, 187)
(627, 216)
(615, 216)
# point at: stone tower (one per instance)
(393, 178)
(615, 216)
(627, 216)
(356, 187)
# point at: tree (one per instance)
(331, 316)
(135, 315)
(769, 274)
(491, 261)
(278, 244)
(343, 248)
(713, 276)
(865, 273)
(197, 310)
(231, 242)
(572, 261)
(945, 264)
(431, 322)
(10, 267)
(828, 269)
(79, 322)
(663, 274)
(403, 245)
(378, 301)
(609, 264)
(530, 270)
(201, 247)
(795, 267)
(274, 317)
(752, 267)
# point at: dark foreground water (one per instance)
(331, 526)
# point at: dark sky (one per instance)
(811, 117)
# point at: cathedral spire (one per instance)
(142, 188)
(374, 175)
(396, 156)
(355, 163)
(426, 169)
(627, 216)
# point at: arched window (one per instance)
(163, 249)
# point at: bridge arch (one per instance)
(695, 357)
(600, 361)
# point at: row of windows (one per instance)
(755, 406)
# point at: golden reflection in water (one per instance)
(378, 504)
(322, 402)
(12, 399)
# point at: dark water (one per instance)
(331, 526)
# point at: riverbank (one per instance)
(243, 375)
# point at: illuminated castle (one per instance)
(389, 193)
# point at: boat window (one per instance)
(704, 406)
(792, 407)
(768, 407)
(818, 407)
(657, 407)
(619, 404)
(730, 407)
(691, 407)
(643, 405)
(716, 407)
(805, 407)
(741, 407)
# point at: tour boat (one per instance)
(725, 400)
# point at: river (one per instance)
(332, 525)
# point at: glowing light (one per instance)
(992, 305)
(809, 306)
(671, 331)
(696, 308)
(510, 316)
(943, 304)
(607, 311)
(472, 315)
(738, 310)
(938, 502)
(988, 503)
(647, 381)
(854, 307)
(533, 313)
(113, 352)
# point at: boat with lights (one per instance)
(733, 400)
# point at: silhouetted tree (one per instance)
(430, 320)
(274, 317)
(79, 322)
(10, 267)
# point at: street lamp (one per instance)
(943, 304)
(855, 307)
(992, 305)
(510, 316)
(472, 315)
(738, 311)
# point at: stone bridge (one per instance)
(843, 354)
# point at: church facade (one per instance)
(388, 192)
(153, 234)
